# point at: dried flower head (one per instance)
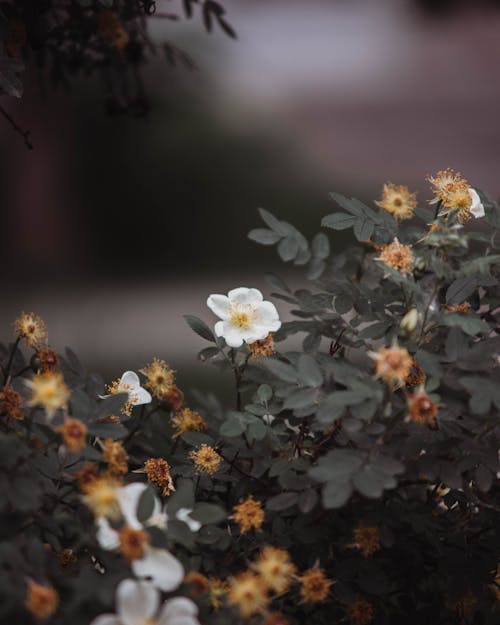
(101, 496)
(11, 403)
(445, 182)
(456, 195)
(275, 568)
(422, 409)
(199, 583)
(397, 256)
(206, 460)
(217, 590)
(262, 348)
(188, 420)
(459, 308)
(360, 612)
(275, 618)
(416, 376)
(111, 30)
(31, 328)
(398, 201)
(115, 456)
(48, 390)
(249, 514)
(248, 593)
(393, 364)
(367, 539)
(67, 558)
(173, 400)
(86, 476)
(159, 377)
(42, 600)
(314, 585)
(157, 471)
(74, 434)
(48, 359)
(133, 542)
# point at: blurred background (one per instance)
(114, 227)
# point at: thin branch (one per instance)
(25, 134)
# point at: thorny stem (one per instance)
(7, 371)
(25, 134)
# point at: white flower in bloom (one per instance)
(246, 317)
(137, 603)
(129, 383)
(164, 570)
(183, 515)
(477, 208)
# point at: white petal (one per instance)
(255, 333)
(178, 611)
(233, 336)
(183, 515)
(141, 396)
(136, 601)
(130, 378)
(219, 305)
(128, 498)
(242, 295)
(219, 328)
(106, 619)
(266, 311)
(477, 208)
(164, 570)
(106, 536)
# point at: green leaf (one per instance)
(460, 290)
(282, 501)
(281, 370)
(234, 425)
(207, 513)
(271, 221)
(264, 236)
(200, 327)
(468, 323)
(320, 246)
(336, 493)
(302, 398)
(288, 248)
(264, 392)
(309, 371)
(339, 221)
(363, 229)
(145, 505)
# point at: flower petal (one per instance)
(128, 498)
(255, 333)
(233, 336)
(164, 570)
(243, 295)
(131, 378)
(142, 396)
(183, 515)
(477, 208)
(106, 619)
(219, 305)
(136, 601)
(178, 611)
(106, 536)
(266, 311)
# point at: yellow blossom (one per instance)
(248, 593)
(314, 585)
(101, 496)
(367, 539)
(249, 514)
(206, 460)
(116, 457)
(398, 201)
(275, 568)
(188, 420)
(159, 377)
(48, 390)
(393, 364)
(397, 256)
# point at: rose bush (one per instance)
(355, 478)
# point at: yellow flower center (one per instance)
(241, 319)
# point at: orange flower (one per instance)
(74, 434)
(42, 600)
(248, 514)
(367, 539)
(158, 472)
(160, 377)
(314, 585)
(48, 359)
(416, 376)
(133, 543)
(206, 460)
(188, 420)
(360, 612)
(248, 593)
(116, 457)
(392, 364)
(275, 568)
(11, 403)
(397, 256)
(262, 348)
(398, 201)
(422, 409)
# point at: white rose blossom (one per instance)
(137, 603)
(477, 208)
(129, 383)
(159, 565)
(245, 316)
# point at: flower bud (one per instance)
(409, 321)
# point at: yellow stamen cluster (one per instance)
(48, 390)
(48, 359)
(101, 497)
(422, 409)
(159, 377)
(459, 308)
(31, 328)
(11, 403)
(74, 434)
(206, 460)
(452, 189)
(416, 376)
(117, 387)
(275, 568)
(360, 612)
(367, 539)
(262, 348)
(158, 472)
(115, 456)
(217, 591)
(248, 593)
(241, 317)
(249, 514)
(42, 600)
(188, 420)
(393, 364)
(314, 585)
(111, 30)
(398, 201)
(66, 558)
(133, 543)
(397, 256)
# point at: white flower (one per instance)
(137, 603)
(164, 570)
(477, 208)
(246, 317)
(129, 383)
(183, 515)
